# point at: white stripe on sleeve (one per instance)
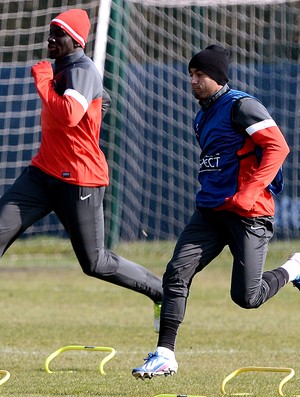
(260, 126)
(79, 98)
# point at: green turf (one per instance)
(46, 302)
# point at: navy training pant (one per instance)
(202, 240)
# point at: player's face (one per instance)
(60, 43)
(202, 85)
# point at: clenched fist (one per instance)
(42, 73)
(42, 70)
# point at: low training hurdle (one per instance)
(6, 376)
(177, 395)
(259, 369)
(86, 348)
(290, 372)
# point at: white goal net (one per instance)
(147, 134)
(149, 46)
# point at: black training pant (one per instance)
(35, 194)
(202, 240)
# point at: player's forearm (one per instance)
(274, 152)
(68, 108)
(65, 108)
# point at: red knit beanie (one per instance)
(76, 23)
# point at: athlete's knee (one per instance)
(104, 264)
(245, 301)
(8, 234)
(174, 285)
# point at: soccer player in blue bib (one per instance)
(241, 154)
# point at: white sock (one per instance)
(292, 266)
(165, 352)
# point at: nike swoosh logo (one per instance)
(256, 227)
(85, 197)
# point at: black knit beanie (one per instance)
(214, 61)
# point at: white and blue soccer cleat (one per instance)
(296, 282)
(295, 259)
(156, 364)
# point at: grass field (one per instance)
(46, 302)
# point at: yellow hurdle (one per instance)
(6, 376)
(86, 348)
(177, 395)
(259, 369)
